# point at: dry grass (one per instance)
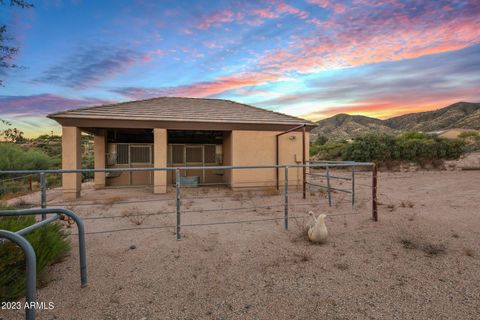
(434, 249)
(128, 212)
(108, 203)
(132, 214)
(303, 226)
(341, 266)
(272, 192)
(237, 196)
(23, 204)
(187, 204)
(391, 207)
(303, 255)
(431, 249)
(406, 204)
(13, 195)
(137, 220)
(469, 252)
(408, 244)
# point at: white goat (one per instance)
(317, 232)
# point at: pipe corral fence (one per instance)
(30, 257)
(315, 174)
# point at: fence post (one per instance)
(43, 194)
(177, 187)
(286, 198)
(329, 192)
(374, 193)
(30, 184)
(353, 187)
(31, 266)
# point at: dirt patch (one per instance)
(398, 267)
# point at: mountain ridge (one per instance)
(461, 115)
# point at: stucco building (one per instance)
(182, 132)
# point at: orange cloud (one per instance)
(356, 39)
(203, 89)
(381, 109)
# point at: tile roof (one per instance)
(182, 109)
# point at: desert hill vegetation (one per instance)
(42, 152)
(423, 137)
(344, 126)
(460, 115)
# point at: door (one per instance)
(194, 158)
(141, 157)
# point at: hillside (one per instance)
(462, 115)
(344, 126)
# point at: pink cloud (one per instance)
(252, 16)
(357, 38)
(320, 3)
(339, 8)
(216, 19)
(202, 89)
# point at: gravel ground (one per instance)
(421, 260)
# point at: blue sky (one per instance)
(311, 58)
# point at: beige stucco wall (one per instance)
(259, 148)
(159, 160)
(240, 148)
(99, 145)
(71, 160)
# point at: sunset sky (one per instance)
(311, 58)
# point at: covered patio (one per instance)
(182, 132)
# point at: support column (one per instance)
(159, 160)
(99, 146)
(71, 160)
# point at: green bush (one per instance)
(379, 147)
(411, 146)
(88, 162)
(14, 157)
(473, 135)
(331, 150)
(49, 242)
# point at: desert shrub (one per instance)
(471, 140)
(411, 146)
(88, 161)
(372, 147)
(469, 135)
(314, 148)
(449, 149)
(321, 140)
(316, 144)
(332, 150)
(49, 242)
(14, 157)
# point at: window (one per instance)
(140, 154)
(122, 153)
(194, 154)
(210, 153)
(125, 154)
(177, 154)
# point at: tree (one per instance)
(13, 135)
(8, 51)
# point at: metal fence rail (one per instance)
(311, 175)
(17, 237)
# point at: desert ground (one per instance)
(421, 260)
